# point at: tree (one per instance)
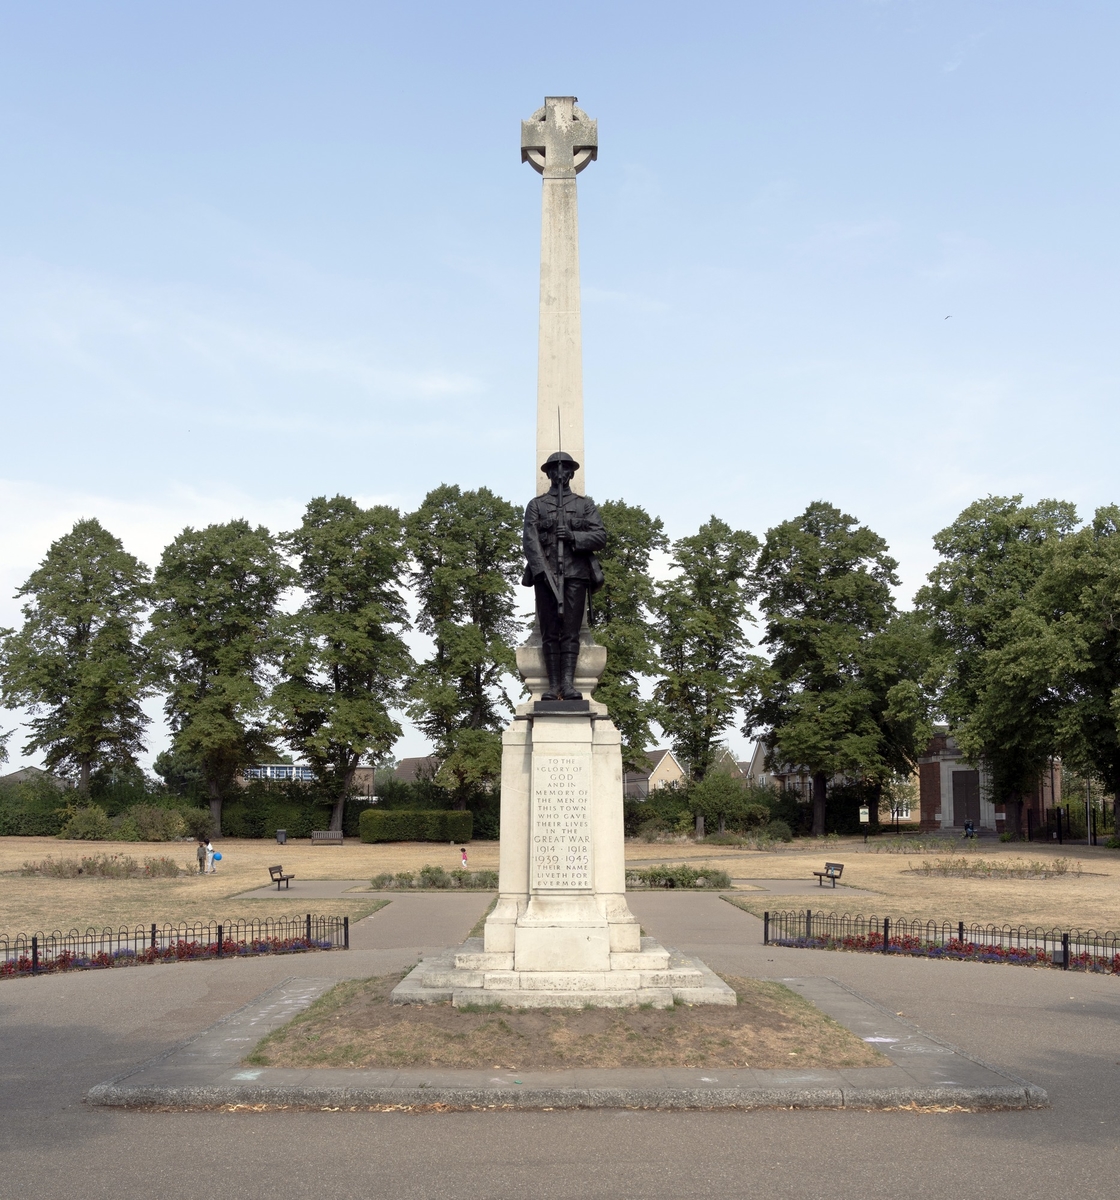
(996, 698)
(1056, 673)
(839, 685)
(344, 660)
(214, 636)
(466, 550)
(718, 796)
(623, 623)
(700, 615)
(77, 663)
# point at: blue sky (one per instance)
(256, 252)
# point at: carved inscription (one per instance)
(561, 826)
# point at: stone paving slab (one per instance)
(206, 1072)
(801, 887)
(309, 889)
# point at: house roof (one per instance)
(409, 770)
(653, 758)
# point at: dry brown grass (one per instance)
(35, 903)
(354, 1025)
(1091, 900)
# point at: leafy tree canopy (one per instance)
(344, 660)
(76, 663)
(466, 552)
(624, 623)
(700, 619)
(214, 636)
(994, 687)
(841, 693)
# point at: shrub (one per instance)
(197, 822)
(678, 877)
(1113, 843)
(53, 868)
(755, 815)
(415, 825)
(779, 831)
(161, 868)
(32, 808)
(89, 824)
(125, 829)
(157, 824)
(109, 866)
(437, 877)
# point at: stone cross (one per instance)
(559, 140)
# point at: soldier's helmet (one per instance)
(562, 456)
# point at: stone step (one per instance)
(481, 960)
(644, 960)
(561, 981)
(706, 995)
(535, 998)
(677, 978)
(451, 977)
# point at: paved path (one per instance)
(310, 889)
(830, 895)
(59, 1035)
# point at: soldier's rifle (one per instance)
(561, 520)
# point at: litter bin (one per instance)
(281, 837)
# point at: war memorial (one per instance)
(561, 933)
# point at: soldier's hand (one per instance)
(563, 535)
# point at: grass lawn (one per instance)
(30, 903)
(1088, 901)
(354, 1025)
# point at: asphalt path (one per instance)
(59, 1035)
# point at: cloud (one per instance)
(962, 52)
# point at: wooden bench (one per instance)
(326, 837)
(831, 871)
(278, 877)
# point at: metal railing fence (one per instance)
(39, 953)
(1070, 949)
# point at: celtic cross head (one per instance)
(559, 139)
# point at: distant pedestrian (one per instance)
(209, 858)
(463, 852)
(201, 856)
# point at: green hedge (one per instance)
(34, 808)
(415, 825)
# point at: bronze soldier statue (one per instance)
(562, 533)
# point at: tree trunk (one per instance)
(699, 825)
(215, 807)
(722, 823)
(340, 804)
(83, 778)
(820, 790)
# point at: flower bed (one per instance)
(1029, 956)
(180, 951)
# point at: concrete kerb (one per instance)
(924, 1072)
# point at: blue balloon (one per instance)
(217, 858)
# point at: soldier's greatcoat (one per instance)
(587, 535)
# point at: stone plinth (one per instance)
(561, 934)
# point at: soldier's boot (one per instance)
(568, 676)
(552, 666)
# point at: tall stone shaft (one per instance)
(559, 140)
